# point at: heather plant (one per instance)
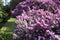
(37, 20)
(25, 5)
(37, 25)
(57, 2)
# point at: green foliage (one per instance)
(5, 36)
(4, 15)
(6, 9)
(6, 31)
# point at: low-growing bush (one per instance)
(51, 6)
(37, 20)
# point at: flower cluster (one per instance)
(36, 23)
(57, 2)
(37, 20)
(34, 4)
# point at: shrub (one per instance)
(37, 20)
(6, 36)
(48, 5)
(36, 24)
(4, 16)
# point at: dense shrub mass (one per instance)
(3, 17)
(37, 20)
(48, 5)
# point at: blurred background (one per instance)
(7, 22)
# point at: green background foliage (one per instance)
(7, 23)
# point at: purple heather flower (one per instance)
(37, 20)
